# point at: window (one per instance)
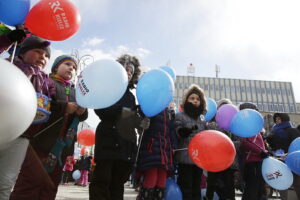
(292, 108)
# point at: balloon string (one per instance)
(14, 51)
(183, 149)
(139, 146)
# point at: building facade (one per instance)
(269, 96)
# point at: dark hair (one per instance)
(283, 116)
(126, 59)
(248, 105)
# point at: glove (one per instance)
(195, 127)
(184, 131)
(264, 154)
(145, 123)
(16, 35)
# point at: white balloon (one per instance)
(277, 174)
(101, 84)
(18, 103)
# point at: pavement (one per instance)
(74, 192)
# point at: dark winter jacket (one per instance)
(183, 120)
(156, 150)
(58, 123)
(85, 163)
(282, 135)
(109, 143)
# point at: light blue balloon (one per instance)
(101, 84)
(211, 107)
(14, 12)
(295, 145)
(173, 191)
(246, 123)
(170, 71)
(154, 91)
(293, 161)
(76, 174)
(276, 174)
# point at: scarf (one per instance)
(60, 79)
(191, 110)
(279, 129)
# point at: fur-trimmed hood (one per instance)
(195, 89)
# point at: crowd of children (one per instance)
(33, 165)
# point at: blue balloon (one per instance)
(293, 161)
(14, 12)
(246, 123)
(295, 145)
(170, 71)
(276, 174)
(76, 174)
(154, 91)
(211, 109)
(101, 84)
(173, 191)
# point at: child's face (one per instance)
(66, 69)
(36, 57)
(194, 99)
(129, 73)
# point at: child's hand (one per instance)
(71, 107)
(80, 110)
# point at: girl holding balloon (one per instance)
(33, 57)
(187, 124)
(155, 159)
(254, 152)
(115, 148)
(55, 141)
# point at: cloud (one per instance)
(94, 41)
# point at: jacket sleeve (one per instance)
(84, 116)
(178, 123)
(173, 138)
(248, 144)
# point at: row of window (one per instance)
(264, 107)
(239, 89)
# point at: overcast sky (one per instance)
(257, 39)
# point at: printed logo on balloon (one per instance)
(53, 20)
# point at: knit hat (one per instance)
(61, 59)
(34, 42)
(248, 105)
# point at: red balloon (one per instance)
(82, 150)
(86, 137)
(53, 19)
(180, 109)
(212, 150)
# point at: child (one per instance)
(254, 152)
(51, 145)
(68, 169)
(156, 155)
(33, 57)
(187, 124)
(115, 155)
(84, 165)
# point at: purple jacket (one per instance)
(39, 79)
